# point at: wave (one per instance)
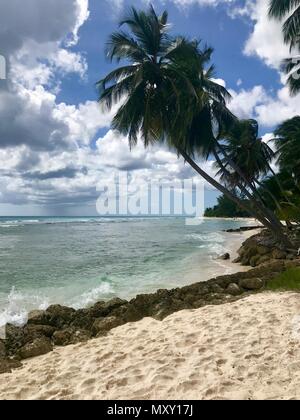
(17, 305)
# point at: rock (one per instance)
(102, 309)
(70, 336)
(38, 347)
(36, 317)
(277, 254)
(31, 332)
(262, 250)
(59, 316)
(217, 289)
(82, 320)
(15, 339)
(233, 290)
(7, 365)
(225, 257)
(263, 260)
(2, 349)
(237, 260)
(103, 325)
(254, 260)
(251, 284)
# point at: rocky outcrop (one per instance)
(263, 248)
(61, 326)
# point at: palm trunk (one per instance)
(253, 210)
(271, 216)
(278, 233)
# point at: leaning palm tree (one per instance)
(288, 11)
(254, 157)
(288, 144)
(168, 95)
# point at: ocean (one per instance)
(78, 261)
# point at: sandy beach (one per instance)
(243, 350)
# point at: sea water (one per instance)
(78, 261)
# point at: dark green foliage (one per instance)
(225, 208)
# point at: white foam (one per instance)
(17, 305)
(92, 296)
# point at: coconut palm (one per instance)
(288, 144)
(168, 95)
(288, 11)
(254, 157)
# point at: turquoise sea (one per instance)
(77, 261)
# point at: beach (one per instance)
(245, 350)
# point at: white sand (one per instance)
(243, 350)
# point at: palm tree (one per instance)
(289, 12)
(288, 144)
(169, 96)
(254, 157)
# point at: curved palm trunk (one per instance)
(259, 203)
(252, 210)
(280, 236)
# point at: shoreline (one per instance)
(84, 340)
(212, 353)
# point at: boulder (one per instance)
(251, 284)
(36, 317)
(102, 309)
(102, 325)
(38, 347)
(82, 320)
(233, 290)
(59, 316)
(7, 365)
(15, 338)
(31, 332)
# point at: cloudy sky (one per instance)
(55, 145)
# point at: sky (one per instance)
(56, 144)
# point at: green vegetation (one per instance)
(225, 208)
(288, 11)
(289, 280)
(166, 94)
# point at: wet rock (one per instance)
(251, 284)
(103, 325)
(7, 365)
(36, 317)
(225, 257)
(38, 347)
(233, 290)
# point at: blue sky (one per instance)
(56, 145)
